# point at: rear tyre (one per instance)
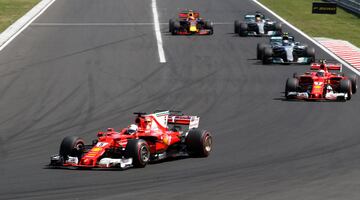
(310, 52)
(292, 85)
(209, 25)
(171, 25)
(353, 80)
(198, 143)
(139, 151)
(236, 26)
(243, 30)
(259, 50)
(176, 28)
(72, 146)
(278, 27)
(267, 54)
(345, 87)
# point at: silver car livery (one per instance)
(257, 25)
(285, 50)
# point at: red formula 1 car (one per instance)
(321, 84)
(190, 23)
(152, 137)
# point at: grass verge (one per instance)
(11, 10)
(343, 25)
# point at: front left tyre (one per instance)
(209, 25)
(353, 80)
(345, 87)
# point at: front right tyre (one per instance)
(72, 146)
(292, 85)
(139, 151)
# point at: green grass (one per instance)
(343, 25)
(11, 10)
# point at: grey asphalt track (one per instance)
(77, 80)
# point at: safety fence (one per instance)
(350, 5)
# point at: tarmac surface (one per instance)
(58, 80)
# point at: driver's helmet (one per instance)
(133, 128)
(285, 36)
(320, 73)
(322, 64)
(191, 15)
(257, 18)
(286, 42)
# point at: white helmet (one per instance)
(132, 129)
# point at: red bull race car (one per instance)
(190, 23)
(152, 137)
(321, 84)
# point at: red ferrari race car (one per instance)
(190, 23)
(321, 84)
(152, 137)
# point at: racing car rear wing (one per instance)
(329, 66)
(192, 121)
(184, 15)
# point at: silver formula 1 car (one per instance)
(284, 49)
(257, 25)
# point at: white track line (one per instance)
(20, 25)
(158, 32)
(310, 38)
(113, 24)
(95, 24)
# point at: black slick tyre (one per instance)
(176, 28)
(345, 87)
(259, 50)
(310, 52)
(267, 54)
(71, 146)
(171, 25)
(139, 151)
(209, 26)
(291, 85)
(353, 80)
(278, 27)
(236, 26)
(243, 29)
(198, 143)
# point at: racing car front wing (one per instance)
(73, 162)
(300, 60)
(328, 96)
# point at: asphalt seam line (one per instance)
(309, 38)
(21, 24)
(158, 32)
